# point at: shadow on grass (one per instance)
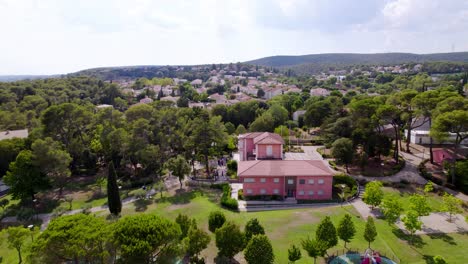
(225, 260)
(429, 259)
(142, 204)
(181, 197)
(444, 237)
(413, 240)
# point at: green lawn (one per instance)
(434, 200)
(286, 227)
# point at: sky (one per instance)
(63, 36)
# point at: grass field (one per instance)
(286, 227)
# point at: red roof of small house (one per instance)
(268, 138)
(283, 168)
(445, 154)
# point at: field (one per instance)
(286, 227)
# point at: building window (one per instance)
(290, 181)
(276, 191)
(249, 180)
(276, 180)
(301, 181)
(249, 191)
(269, 151)
(320, 192)
(301, 192)
(320, 181)
(262, 180)
(262, 191)
(311, 181)
(311, 192)
(241, 143)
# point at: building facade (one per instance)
(262, 170)
(299, 179)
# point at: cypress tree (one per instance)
(370, 232)
(113, 196)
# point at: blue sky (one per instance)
(62, 36)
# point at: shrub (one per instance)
(226, 199)
(216, 220)
(240, 194)
(26, 214)
(345, 179)
(138, 193)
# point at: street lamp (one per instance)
(31, 229)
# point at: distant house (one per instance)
(219, 98)
(298, 114)
(262, 170)
(170, 99)
(103, 106)
(272, 92)
(420, 134)
(294, 90)
(196, 83)
(9, 134)
(446, 154)
(146, 100)
(319, 92)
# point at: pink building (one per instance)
(260, 146)
(299, 179)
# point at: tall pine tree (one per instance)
(113, 196)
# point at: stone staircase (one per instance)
(361, 191)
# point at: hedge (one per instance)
(274, 197)
(226, 200)
(345, 179)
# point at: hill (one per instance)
(356, 58)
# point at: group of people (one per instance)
(371, 257)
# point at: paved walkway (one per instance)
(437, 223)
(409, 173)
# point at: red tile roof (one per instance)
(283, 168)
(264, 138)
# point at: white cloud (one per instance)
(58, 36)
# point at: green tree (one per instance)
(9, 149)
(216, 220)
(24, 177)
(263, 123)
(206, 137)
(343, 151)
(73, 238)
(411, 222)
(253, 227)
(185, 223)
(283, 131)
(259, 250)
(392, 208)
(294, 254)
(16, 236)
(113, 196)
(346, 229)
(326, 233)
(229, 240)
(314, 248)
(196, 241)
(370, 232)
(240, 129)
(390, 114)
(439, 260)
(53, 161)
(373, 194)
(419, 204)
(179, 167)
(147, 238)
(452, 205)
(260, 93)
